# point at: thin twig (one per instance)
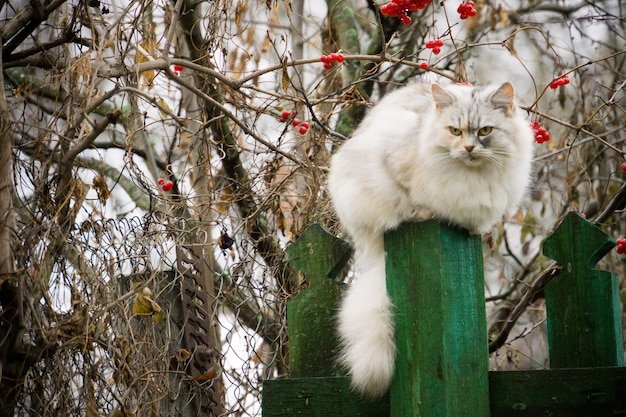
(505, 326)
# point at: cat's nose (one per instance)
(469, 148)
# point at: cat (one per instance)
(457, 153)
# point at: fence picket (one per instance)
(310, 315)
(583, 305)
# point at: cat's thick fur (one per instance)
(456, 153)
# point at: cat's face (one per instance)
(472, 125)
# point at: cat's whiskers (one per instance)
(498, 158)
(442, 159)
(501, 158)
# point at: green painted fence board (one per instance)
(311, 314)
(583, 305)
(318, 397)
(435, 281)
(582, 392)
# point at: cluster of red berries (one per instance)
(165, 185)
(435, 45)
(621, 246)
(541, 134)
(295, 122)
(178, 69)
(329, 59)
(466, 9)
(561, 81)
(286, 115)
(402, 8)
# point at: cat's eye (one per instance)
(456, 131)
(484, 131)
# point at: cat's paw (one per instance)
(421, 214)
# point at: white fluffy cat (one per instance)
(457, 153)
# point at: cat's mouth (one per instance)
(472, 159)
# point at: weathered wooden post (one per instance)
(435, 280)
(583, 304)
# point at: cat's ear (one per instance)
(442, 98)
(504, 98)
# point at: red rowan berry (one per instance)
(623, 166)
(284, 116)
(541, 134)
(401, 8)
(466, 10)
(160, 181)
(435, 45)
(178, 69)
(167, 186)
(561, 81)
(327, 60)
(295, 122)
(423, 65)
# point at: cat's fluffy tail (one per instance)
(366, 330)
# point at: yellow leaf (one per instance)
(150, 47)
(157, 317)
(528, 226)
(141, 307)
(164, 109)
(504, 18)
(144, 305)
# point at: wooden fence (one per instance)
(436, 282)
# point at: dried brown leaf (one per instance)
(100, 185)
(286, 79)
(207, 376)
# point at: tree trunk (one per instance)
(10, 299)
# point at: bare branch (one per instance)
(499, 331)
